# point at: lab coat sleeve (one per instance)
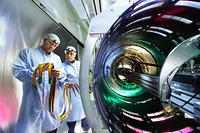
(62, 79)
(21, 68)
(69, 78)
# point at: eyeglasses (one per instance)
(55, 41)
(71, 49)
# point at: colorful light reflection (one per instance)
(185, 130)
(8, 106)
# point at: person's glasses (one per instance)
(69, 49)
(55, 41)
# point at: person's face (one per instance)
(70, 56)
(49, 45)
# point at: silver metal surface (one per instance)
(95, 28)
(84, 86)
(176, 58)
(110, 14)
(22, 25)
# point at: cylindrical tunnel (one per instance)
(129, 61)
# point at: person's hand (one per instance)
(44, 68)
(69, 85)
(56, 73)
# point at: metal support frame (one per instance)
(182, 53)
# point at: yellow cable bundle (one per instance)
(52, 81)
(40, 73)
(40, 68)
(65, 112)
(68, 87)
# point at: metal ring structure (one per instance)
(128, 65)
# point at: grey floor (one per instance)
(63, 128)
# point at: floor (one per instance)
(63, 128)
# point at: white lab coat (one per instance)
(72, 75)
(34, 116)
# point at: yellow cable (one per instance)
(65, 110)
(40, 73)
(63, 107)
(50, 74)
(34, 78)
(70, 107)
(64, 115)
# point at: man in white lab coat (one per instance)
(34, 116)
(72, 67)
